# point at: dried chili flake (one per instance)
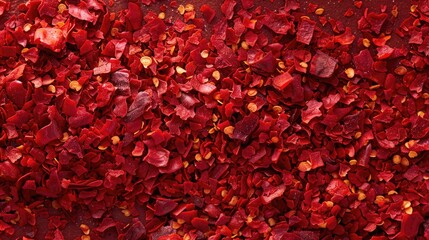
(4, 7)
(157, 156)
(338, 188)
(363, 62)
(280, 82)
(227, 8)
(81, 11)
(208, 12)
(278, 22)
(230, 119)
(164, 206)
(305, 31)
(345, 38)
(51, 38)
(261, 63)
(312, 111)
(245, 127)
(134, 16)
(322, 65)
(410, 225)
(138, 106)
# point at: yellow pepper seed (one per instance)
(350, 72)
(412, 154)
(126, 212)
(366, 43)
(189, 7)
(185, 164)
(61, 8)
(319, 11)
(361, 196)
(233, 201)
(304, 166)
(275, 139)
(401, 70)
(75, 85)
(180, 70)
(208, 155)
(329, 204)
(115, 140)
(204, 54)
(252, 107)
(406, 204)
(155, 82)
(392, 192)
(27, 27)
(85, 229)
(229, 130)
(52, 89)
(277, 109)
(409, 210)
(405, 162)
(216, 75)
(181, 9)
(358, 135)
(252, 92)
(102, 148)
(353, 162)
(176, 225)
(146, 61)
(396, 159)
(271, 222)
(161, 15)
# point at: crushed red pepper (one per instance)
(168, 120)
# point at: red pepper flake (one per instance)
(410, 225)
(305, 31)
(349, 12)
(208, 12)
(200, 224)
(226, 119)
(322, 65)
(164, 206)
(280, 82)
(81, 11)
(51, 38)
(9, 171)
(338, 188)
(312, 111)
(346, 38)
(358, 4)
(4, 7)
(157, 156)
(245, 127)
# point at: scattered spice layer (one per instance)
(236, 119)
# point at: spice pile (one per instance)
(167, 120)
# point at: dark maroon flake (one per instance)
(245, 127)
(305, 31)
(322, 65)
